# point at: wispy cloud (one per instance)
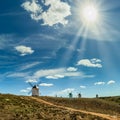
(47, 72)
(96, 63)
(46, 84)
(111, 82)
(58, 73)
(6, 40)
(99, 83)
(46, 57)
(18, 74)
(56, 13)
(82, 87)
(24, 50)
(73, 74)
(28, 66)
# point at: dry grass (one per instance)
(24, 108)
(115, 99)
(102, 105)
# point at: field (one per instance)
(50, 108)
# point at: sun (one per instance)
(89, 14)
(90, 18)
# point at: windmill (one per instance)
(97, 96)
(70, 95)
(79, 95)
(35, 89)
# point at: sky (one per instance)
(62, 45)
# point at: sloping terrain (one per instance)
(99, 105)
(29, 108)
(115, 99)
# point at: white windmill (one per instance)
(35, 89)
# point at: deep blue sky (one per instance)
(48, 41)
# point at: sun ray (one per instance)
(68, 54)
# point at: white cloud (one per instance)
(25, 90)
(24, 50)
(70, 69)
(49, 72)
(110, 82)
(55, 76)
(33, 7)
(90, 63)
(74, 74)
(56, 13)
(83, 87)
(57, 73)
(102, 83)
(31, 81)
(67, 74)
(95, 60)
(46, 84)
(99, 83)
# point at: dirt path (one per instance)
(72, 109)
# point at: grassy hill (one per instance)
(115, 99)
(24, 108)
(105, 105)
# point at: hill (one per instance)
(49, 108)
(105, 105)
(115, 99)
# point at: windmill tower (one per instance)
(97, 96)
(70, 95)
(79, 95)
(34, 90)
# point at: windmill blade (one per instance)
(29, 92)
(30, 84)
(39, 82)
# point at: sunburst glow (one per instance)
(90, 13)
(91, 18)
